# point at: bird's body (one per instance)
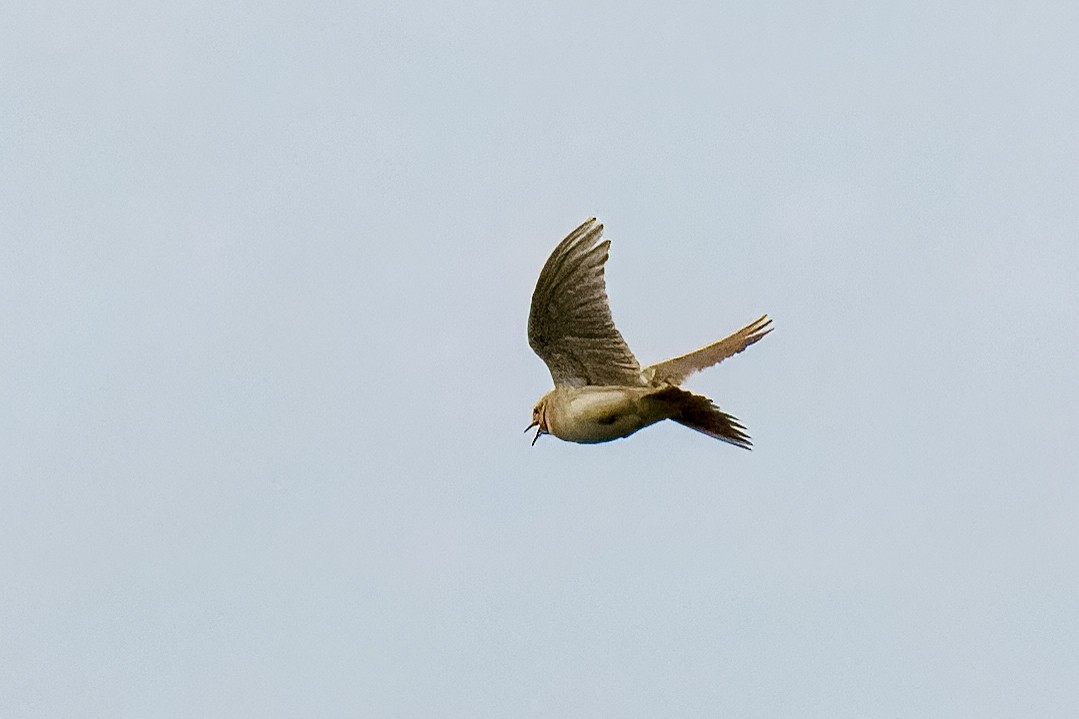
(597, 413)
(601, 393)
(593, 414)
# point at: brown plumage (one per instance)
(698, 412)
(601, 393)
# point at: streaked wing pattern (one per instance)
(570, 325)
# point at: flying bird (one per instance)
(600, 390)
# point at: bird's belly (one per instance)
(598, 415)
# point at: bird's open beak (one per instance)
(538, 431)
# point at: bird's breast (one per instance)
(596, 414)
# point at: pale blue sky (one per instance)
(264, 279)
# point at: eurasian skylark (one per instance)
(600, 391)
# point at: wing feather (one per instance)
(674, 371)
(570, 325)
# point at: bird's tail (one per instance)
(699, 413)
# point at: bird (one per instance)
(601, 392)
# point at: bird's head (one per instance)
(539, 419)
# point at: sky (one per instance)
(265, 272)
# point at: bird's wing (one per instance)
(570, 325)
(674, 371)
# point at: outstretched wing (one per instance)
(674, 371)
(570, 325)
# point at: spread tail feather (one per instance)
(699, 413)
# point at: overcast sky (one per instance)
(265, 271)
